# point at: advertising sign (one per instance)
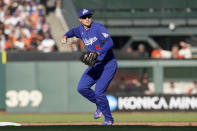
(153, 103)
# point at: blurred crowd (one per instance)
(23, 27)
(135, 83)
(182, 50)
(125, 83)
(180, 87)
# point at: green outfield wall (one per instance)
(28, 85)
(2, 87)
(44, 87)
(52, 86)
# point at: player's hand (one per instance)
(64, 40)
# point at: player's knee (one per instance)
(81, 89)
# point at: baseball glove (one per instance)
(89, 58)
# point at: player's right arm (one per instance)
(75, 32)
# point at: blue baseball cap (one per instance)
(84, 12)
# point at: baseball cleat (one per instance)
(97, 114)
(108, 123)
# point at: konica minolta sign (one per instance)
(153, 103)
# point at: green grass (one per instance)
(156, 117)
(88, 117)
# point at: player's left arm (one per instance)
(105, 39)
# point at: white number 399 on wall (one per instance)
(23, 97)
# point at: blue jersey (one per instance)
(95, 39)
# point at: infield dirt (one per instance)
(118, 123)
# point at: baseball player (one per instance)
(101, 62)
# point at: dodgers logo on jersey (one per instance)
(90, 41)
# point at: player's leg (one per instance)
(85, 84)
(101, 86)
